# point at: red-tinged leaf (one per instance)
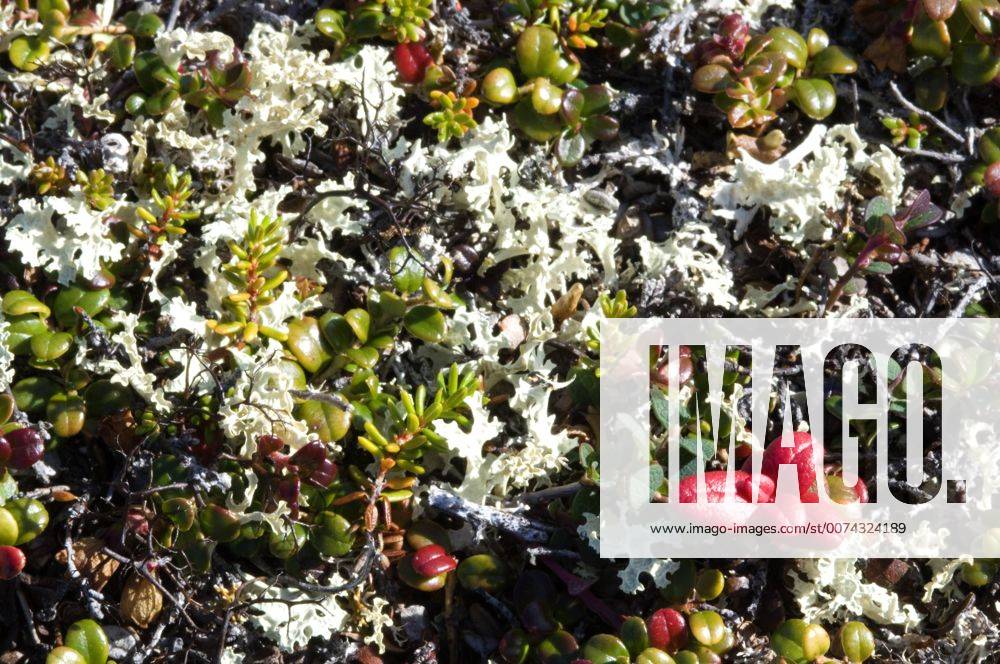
(940, 10)
(432, 560)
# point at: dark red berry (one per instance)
(667, 630)
(11, 562)
(323, 474)
(314, 464)
(412, 60)
(26, 447)
(432, 560)
(991, 179)
(715, 487)
(288, 490)
(5, 451)
(269, 444)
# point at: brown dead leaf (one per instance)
(758, 148)
(90, 561)
(565, 306)
(141, 601)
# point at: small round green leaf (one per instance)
(88, 638)
(49, 346)
(815, 97)
(425, 322)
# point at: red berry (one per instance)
(432, 560)
(5, 451)
(323, 474)
(715, 487)
(269, 444)
(412, 60)
(288, 490)
(667, 630)
(26, 447)
(992, 178)
(11, 562)
(799, 454)
(314, 464)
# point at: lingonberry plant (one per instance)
(946, 41)
(885, 237)
(753, 76)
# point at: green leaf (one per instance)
(8, 489)
(306, 345)
(360, 322)
(832, 60)
(121, 51)
(657, 478)
(791, 44)
(66, 413)
(600, 128)
(500, 87)
(92, 302)
(365, 357)
(660, 407)
(21, 303)
(989, 146)
(104, 397)
(88, 638)
(931, 38)
(545, 97)
(65, 655)
(570, 149)
(711, 78)
(879, 267)
(28, 53)
(20, 332)
(147, 25)
(32, 394)
(326, 420)
(688, 455)
(49, 346)
(153, 74)
(930, 89)
(973, 63)
(537, 127)
(31, 516)
(605, 649)
(330, 23)
(219, 523)
(425, 322)
(337, 332)
(596, 99)
(538, 51)
(407, 273)
(814, 96)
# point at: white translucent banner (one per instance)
(940, 508)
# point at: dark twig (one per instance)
(930, 117)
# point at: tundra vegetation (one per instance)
(301, 306)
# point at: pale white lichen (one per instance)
(63, 236)
(806, 185)
(290, 617)
(659, 569)
(834, 589)
(6, 357)
(695, 257)
(375, 619)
